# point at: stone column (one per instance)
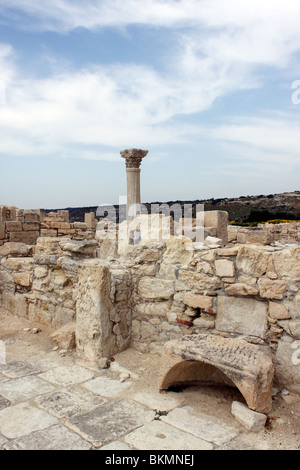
(133, 159)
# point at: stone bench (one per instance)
(207, 358)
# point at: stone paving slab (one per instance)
(68, 403)
(106, 386)
(53, 438)
(22, 419)
(65, 376)
(24, 388)
(157, 401)
(200, 425)
(14, 370)
(160, 436)
(110, 422)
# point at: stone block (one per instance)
(23, 279)
(177, 252)
(244, 316)
(278, 311)
(272, 289)
(31, 217)
(150, 288)
(94, 307)
(15, 249)
(13, 226)
(252, 420)
(153, 309)
(241, 289)
(29, 238)
(20, 264)
(252, 260)
(219, 220)
(224, 268)
(65, 337)
(198, 281)
(85, 247)
(8, 213)
(31, 226)
(198, 301)
(287, 262)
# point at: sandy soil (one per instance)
(282, 431)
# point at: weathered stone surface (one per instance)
(67, 375)
(15, 370)
(23, 279)
(244, 316)
(56, 437)
(177, 252)
(252, 420)
(20, 264)
(241, 289)
(110, 422)
(219, 220)
(198, 281)
(48, 245)
(69, 402)
(107, 387)
(15, 249)
(24, 388)
(200, 425)
(224, 268)
(254, 236)
(29, 237)
(252, 260)
(207, 357)
(270, 289)
(198, 301)
(205, 323)
(84, 247)
(160, 436)
(65, 337)
(150, 288)
(278, 311)
(12, 420)
(153, 309)
(287, 262)
(94, 308)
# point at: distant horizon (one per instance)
(152, 202)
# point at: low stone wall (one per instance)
(157, 291)
(265, 234)
(26, 226)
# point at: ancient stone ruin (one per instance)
(223, 302)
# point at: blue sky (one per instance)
(205, 85)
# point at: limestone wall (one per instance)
(265, 234)
(156, 291)
(26, 226)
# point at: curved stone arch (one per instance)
(232, 361)
(188, 373)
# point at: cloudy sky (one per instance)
(210, 87)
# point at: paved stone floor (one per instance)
(50, 401)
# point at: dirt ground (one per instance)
(282, 431)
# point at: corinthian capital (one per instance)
(133, 157)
